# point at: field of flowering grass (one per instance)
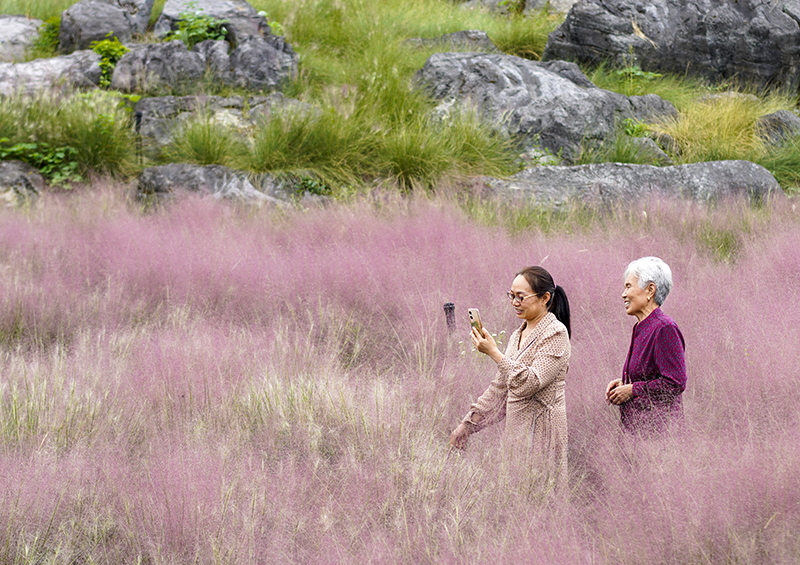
(208, 384)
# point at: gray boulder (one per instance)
(648, 150)
(216, 55)
(550, 105)
(753, 41)
(158, 67)
(92, 20)
(19, 183)
(243, 20)
(609, 183)
(214, 180)
(256, 64)
(470, 40)
(158, 118)
(78, 70)
(262, 64)
(17, 35)
(138, 13)
(778, 127)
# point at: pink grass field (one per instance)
(212, 384)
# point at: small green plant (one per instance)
(634, 77)
(58, 164)
(635, 128)
(111, 51)
(276, 27)
(194, 27)
(313, 186)
(513, 6)
(47, 43)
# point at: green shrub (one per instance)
(194, 27)
(58, 164)
(47, 43)
(111, 51)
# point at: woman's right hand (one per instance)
(458, 438)
(611, 386)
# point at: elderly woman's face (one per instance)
(636, 299)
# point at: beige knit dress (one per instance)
(528, 391)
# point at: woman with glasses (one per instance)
(528, 388)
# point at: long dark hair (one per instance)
(541, 281)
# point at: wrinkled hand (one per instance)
(459, 437)
(618, 393)
(485, 343)
(611, 386)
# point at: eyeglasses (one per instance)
(518, 297)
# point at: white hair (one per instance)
(652, 270)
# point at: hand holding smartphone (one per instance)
(475, 319)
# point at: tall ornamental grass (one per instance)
(210, 384)
(95, 124)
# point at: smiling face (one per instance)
(638, 301)
(531, 308)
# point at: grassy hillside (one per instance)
(356, 67)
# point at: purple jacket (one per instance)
(656, 367)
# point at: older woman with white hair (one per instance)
(654, 376)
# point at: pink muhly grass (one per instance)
(206, 383)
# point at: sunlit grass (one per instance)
(40, 9)
(722, 126)
(205, 141)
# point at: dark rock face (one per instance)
(243, 20)
(755, 41)
(262, 64)
(17, 35)
(19, 183)
(548, 105)
(158, 66)
(157, 118)
(78, 70)
(213, 180)
(256, 64)
(777, 127)
(138, 13)
(92, 20)
(608, 183)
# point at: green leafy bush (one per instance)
(194, 27)
(47, 43)
(111, 51)
(58, 164)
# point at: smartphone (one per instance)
(475, 319)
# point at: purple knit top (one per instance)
(656, 367)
